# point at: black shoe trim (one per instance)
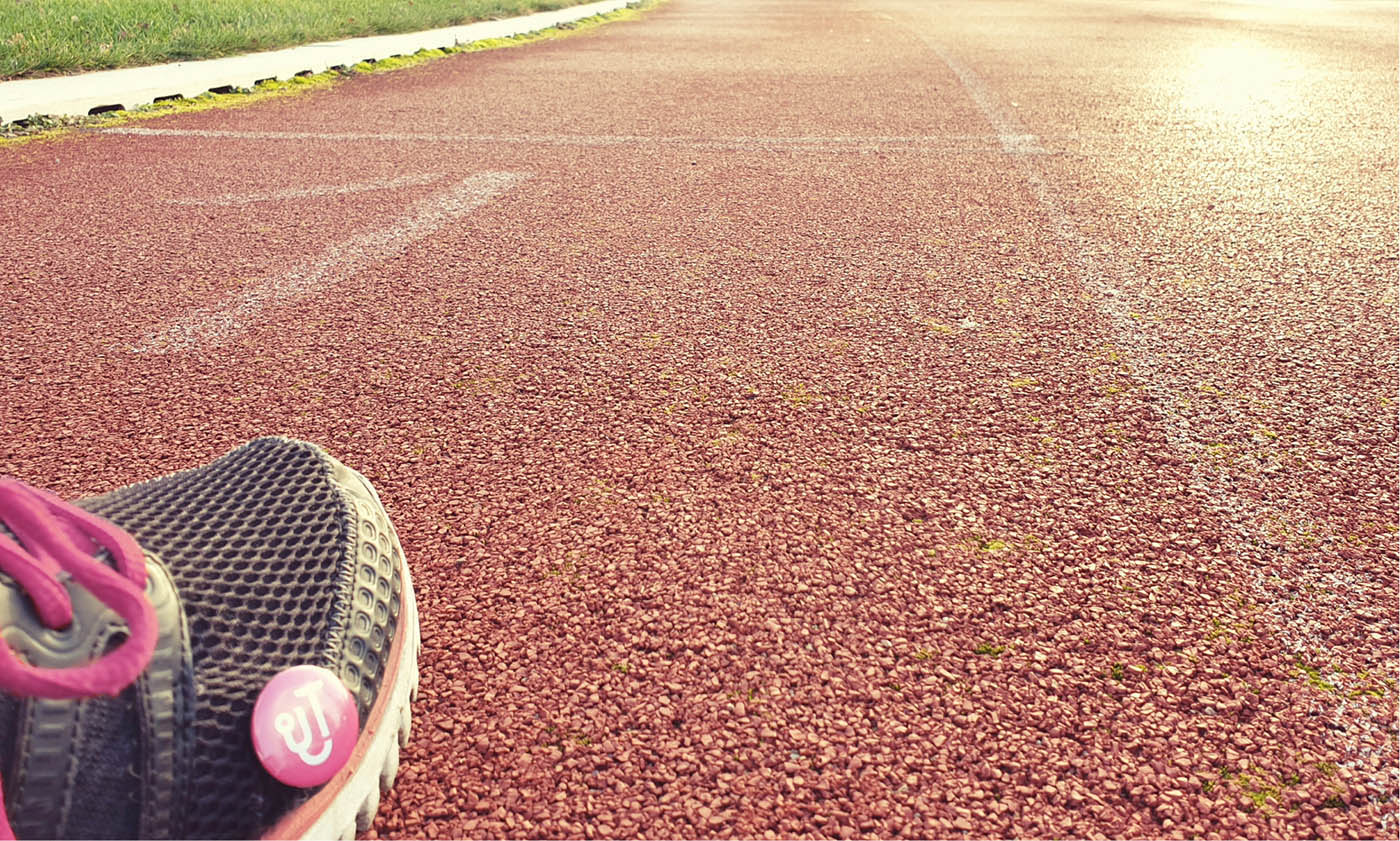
(53, 737)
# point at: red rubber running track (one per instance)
(860, 418)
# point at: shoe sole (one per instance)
(350, 800)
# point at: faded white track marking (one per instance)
(1104, 277)
(233, 199)
(1097, 275)
(1015, 140)
(208, 326)
(800, 142)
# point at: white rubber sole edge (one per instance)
(355, 806)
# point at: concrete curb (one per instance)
(70, 96)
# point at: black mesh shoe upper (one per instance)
(279, 559)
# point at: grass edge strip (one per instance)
(41, 128)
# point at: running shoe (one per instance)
(225, 652)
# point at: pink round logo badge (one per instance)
(305, 723)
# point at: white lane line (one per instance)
(208, 326)
(1015, 140)
(1104, 278)
(1022, 147)
(1099, 279)
(381, 137)
(233, 199)
(1028, 142)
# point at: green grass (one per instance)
(39, 129)
(46, 37)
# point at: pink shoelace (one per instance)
(56, 541)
